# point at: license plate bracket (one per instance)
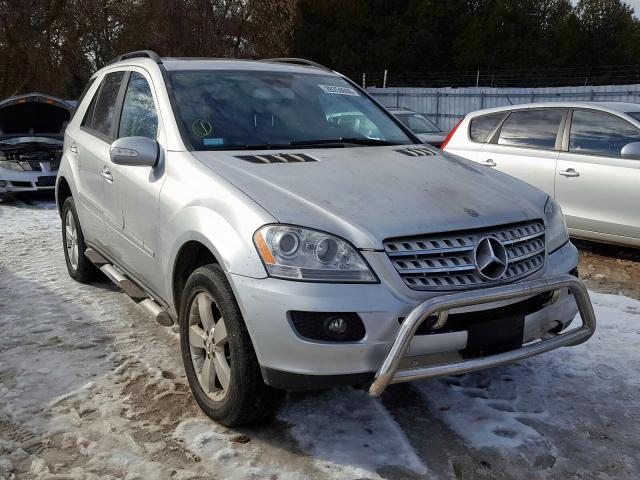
(494, 336)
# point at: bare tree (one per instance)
(55, 45)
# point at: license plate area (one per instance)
(48, 181)
(494, 336)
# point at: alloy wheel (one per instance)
(209, 345)
(71, 239)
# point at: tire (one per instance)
(218, 354)
(78, 266)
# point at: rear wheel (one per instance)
(218, 356)
(78, 266)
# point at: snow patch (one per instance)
(349, 434)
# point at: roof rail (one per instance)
(296, 61)
(138, 54)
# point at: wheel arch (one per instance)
(63, 191)
(191, 255)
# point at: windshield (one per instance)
(417, 123)
(256, 109)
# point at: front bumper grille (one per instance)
(446, 261)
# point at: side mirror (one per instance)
(135, 152)
(631, 151)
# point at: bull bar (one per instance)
(436, 307)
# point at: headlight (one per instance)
(11, 165)
(556, 226)
(297, 253)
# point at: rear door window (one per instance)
(139, 117)
(481, 127)
(594, 133)
(82, 95)
(531, 129)
(105, 104)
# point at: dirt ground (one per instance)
(610, 268)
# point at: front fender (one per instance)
(232, 246)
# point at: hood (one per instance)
(369, 194)
(33, 115)
(434, 139)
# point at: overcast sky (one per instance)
(635, 4)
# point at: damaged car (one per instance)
(31, 134)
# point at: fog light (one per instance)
(328, 326)
(337, 325)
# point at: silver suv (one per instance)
(297, 251)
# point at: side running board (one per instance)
(160, 315)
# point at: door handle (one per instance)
(488, 163)
(74, 149)
(569, 172)
(106, 173)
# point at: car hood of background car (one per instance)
(434, 139)
(368, 194)
(33, 115)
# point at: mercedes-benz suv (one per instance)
(301, 236)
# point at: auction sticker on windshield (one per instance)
(339, 90)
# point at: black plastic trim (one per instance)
(310, 326)
(296, 382)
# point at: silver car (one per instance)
(31, 129)
(585, 155)
(421, 126)
(295, 251)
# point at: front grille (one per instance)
(446, 261)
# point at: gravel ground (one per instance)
(91, 388)
(610, 269)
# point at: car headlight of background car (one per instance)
(297, 253)
(556, 225)
(12, 165)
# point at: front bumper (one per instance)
(390, 371)
(12, 181)
(289, 358)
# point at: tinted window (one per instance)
(106, 103)
(482, 127)
(139, 118)
(246, 109)
(417, 123)
(595, 133)
(88, 116)
(635, 115)
(82, 95)
(531, 128)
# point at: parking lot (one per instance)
(90, 387)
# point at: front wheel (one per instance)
(78, 266)
(218, 356)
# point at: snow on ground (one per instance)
(91, 388)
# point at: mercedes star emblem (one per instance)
(491, 258)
